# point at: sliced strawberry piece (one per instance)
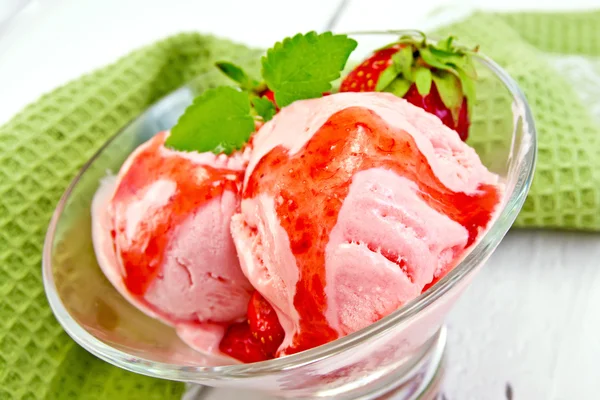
(264, 324)
(239, 343)
(437, 77)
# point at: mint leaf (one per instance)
(237, 74)
(264, 107)
(423, 80)
(219, 121)
(303, 66)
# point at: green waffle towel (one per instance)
(42, 148)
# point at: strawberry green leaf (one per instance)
(264, 107)
(423, 80)
(467, 66)
(418, 39)
(399, 87)
(304, 66)
(237, 74)
(387, 76)
(219, 121)
(449, 88)
(444, 55)
(451, 62)
(409, 40)
(468, 88)
(446, 44)
(403, 59)
(455, 57)
(431, 59)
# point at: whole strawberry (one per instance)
(438, 77)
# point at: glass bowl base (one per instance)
(421, 382)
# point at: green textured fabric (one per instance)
(576, 33)
(42, 148)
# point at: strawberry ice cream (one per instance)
(346, 208)
(161, 232)
(352, 205)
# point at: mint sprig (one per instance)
(303, 67)
(236, 73)
(219, 120)
(264, 108)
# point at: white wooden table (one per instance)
(531, 319)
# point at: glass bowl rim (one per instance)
(477, 254)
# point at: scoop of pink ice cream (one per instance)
(161, 234)
(352, 204)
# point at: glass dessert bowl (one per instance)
(401, 353)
